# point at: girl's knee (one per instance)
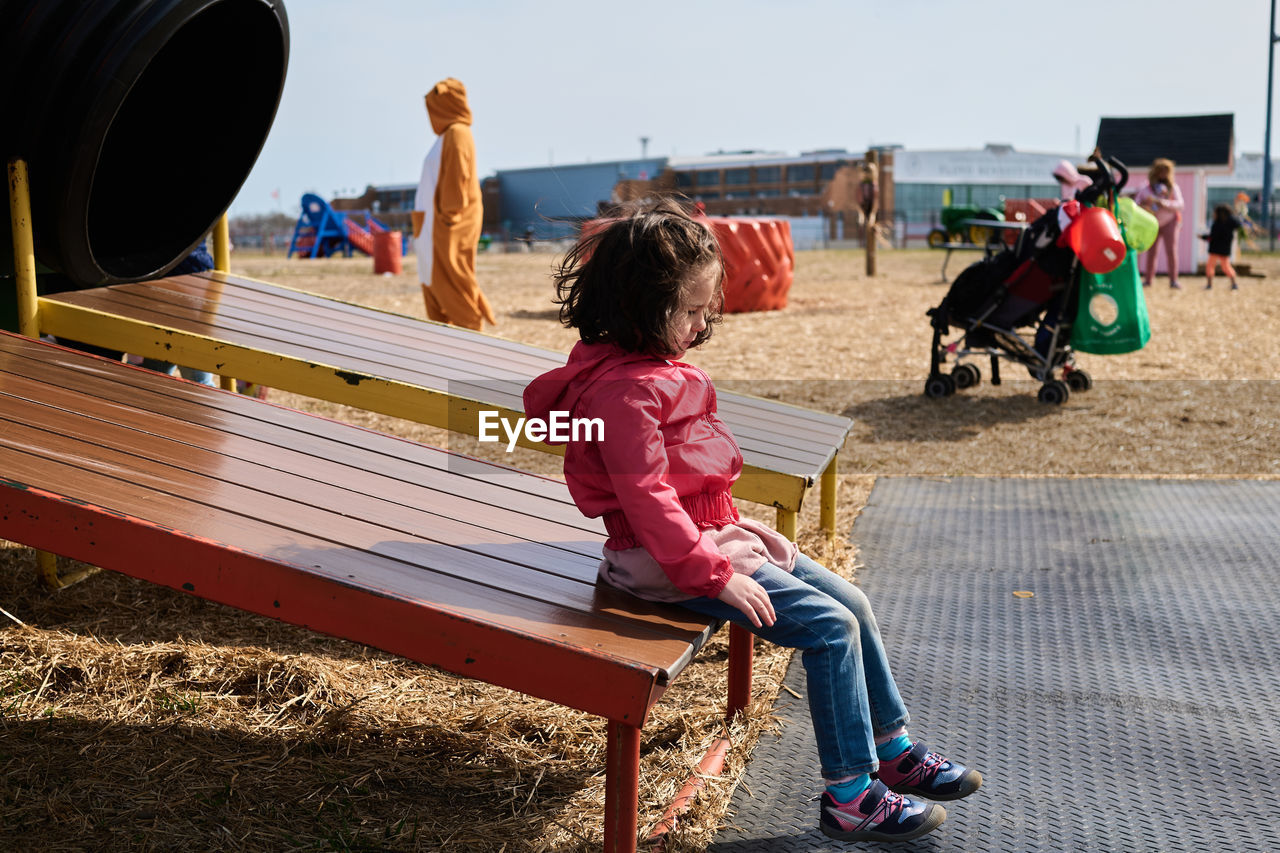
(858, 604)
(836, 630)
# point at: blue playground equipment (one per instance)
(322, 232)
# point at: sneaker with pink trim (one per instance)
(922, 773)
(878, 814)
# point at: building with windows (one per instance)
(549, 202)
(984, 177)
(806, 189)
(390, 204)
(753, 182)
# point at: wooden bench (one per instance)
(407, 368)
(478, 569)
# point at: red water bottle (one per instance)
(1095, 238)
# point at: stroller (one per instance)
(1032, 286)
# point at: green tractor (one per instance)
(962, 223)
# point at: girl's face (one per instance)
(691, 317)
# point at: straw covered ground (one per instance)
(134, 718)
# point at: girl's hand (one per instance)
(746, 594)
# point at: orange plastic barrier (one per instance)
(386, 252)
(759, 260)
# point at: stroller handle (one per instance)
(1119, 167)
(1103, 180)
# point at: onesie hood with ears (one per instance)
(447, 104)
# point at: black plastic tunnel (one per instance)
(139, 121)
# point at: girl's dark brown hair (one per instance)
(624, 280)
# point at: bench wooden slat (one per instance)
(477, 353)
(372, 350)
(370, 337)
(482, 344)
(372, 451)
(373, 353)
(829, 427)
(816, 425)
(25, 401)
(824, 427)
(311, 507)
(321, 346)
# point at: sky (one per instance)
(565, 81)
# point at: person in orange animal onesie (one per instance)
(447, 214)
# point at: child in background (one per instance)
(1221, 234)
(1069, 179)
(1247, 228)
(641, 291)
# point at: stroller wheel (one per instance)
(939, 385)
(966, 375)
(1054, 392)
(1079, 380)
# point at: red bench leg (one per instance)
(621, 788)
(622, 759)
(741, 651)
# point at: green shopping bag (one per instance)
(1112, 314)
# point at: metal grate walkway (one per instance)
(1129, 704)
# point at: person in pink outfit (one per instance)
(1070, 181)
(1162, 197)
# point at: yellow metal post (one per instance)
(222, 263)
(787, 523)
(47, 564)
(222, 245)
(24, 267)
(827, 510)
(24, 249)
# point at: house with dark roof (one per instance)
(1189, 141)
(1199, 146)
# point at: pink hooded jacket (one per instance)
(662, 472)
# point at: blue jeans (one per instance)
(166, 367)
(852, 694)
